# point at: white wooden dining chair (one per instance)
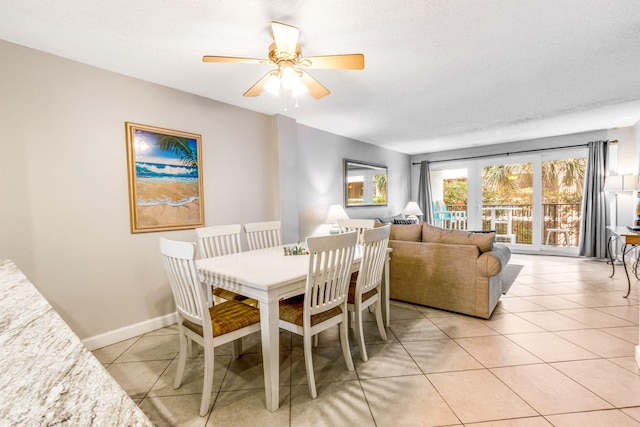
(323, 304)
(358, 225)
(364, 289)
(220, 240)
(197, 322)
(262, 235)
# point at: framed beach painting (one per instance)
(165, 179)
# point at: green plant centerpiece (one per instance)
(295, 250)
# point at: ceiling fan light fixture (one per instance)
(273, 85)
(285, 53)
(298, 87)
(289, 76)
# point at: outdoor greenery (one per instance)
(455, 191)
(562, 182)
(512, 185)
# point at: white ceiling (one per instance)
(439, 74)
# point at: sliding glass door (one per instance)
(532, 201)
(562, 184)
(507, 201)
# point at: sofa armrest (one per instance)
(492, 262)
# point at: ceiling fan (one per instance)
(286, 54)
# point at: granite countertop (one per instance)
(47, 376)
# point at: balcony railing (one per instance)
(564, 216)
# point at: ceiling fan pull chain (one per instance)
(284, 100)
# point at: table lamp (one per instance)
(335, 213)
(412, 210)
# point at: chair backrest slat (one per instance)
(329, 271)
(188, 293)
(358, 225)
(262, 235)
(219, 240)
(375, 244)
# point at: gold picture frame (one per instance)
(165, 179)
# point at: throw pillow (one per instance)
(403, 221)
(389, 219)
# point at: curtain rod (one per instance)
(614, 142)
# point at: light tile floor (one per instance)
(558, 350)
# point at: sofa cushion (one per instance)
(431, 234)
(409, 232)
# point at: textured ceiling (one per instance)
(438, 75)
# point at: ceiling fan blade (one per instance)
(313, 86)
(208, 58)
(286, 37)
(257, 88)
(353, 61)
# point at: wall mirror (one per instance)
(365, 184)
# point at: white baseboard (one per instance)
(130, 331)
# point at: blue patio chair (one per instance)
(448, 219)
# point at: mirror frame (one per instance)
(357, 163)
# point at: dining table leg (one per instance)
(270, 332)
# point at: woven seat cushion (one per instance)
(351, 296)
(291, 311)
(252, 302)
(227, 317)
(227, 295)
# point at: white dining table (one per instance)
(268, 276)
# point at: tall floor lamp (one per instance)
(615, 185)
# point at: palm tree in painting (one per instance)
(180, 147)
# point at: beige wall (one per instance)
(321, 179)
(63, 185)
(64, 216)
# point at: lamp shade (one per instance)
(412, 208)
(629, 182)
(620, 183)
(613, 183)
(335, 213)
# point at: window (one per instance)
(532, 201)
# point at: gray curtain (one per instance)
(424, 193)
(593, 231)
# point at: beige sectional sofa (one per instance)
(452, 270)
